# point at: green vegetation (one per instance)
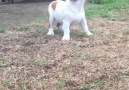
(95, 57)
(126, 32)
(3, 62)
(108, 8)
(23, 87)
(96, 84)
(38, 21)
(102, 1)
(95, 31)
(40, 30)
(60, 83)
(2, 30)
(80, 55)
(40, 61)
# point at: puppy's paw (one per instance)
(89, 34)
(66, 38)
(50, 33)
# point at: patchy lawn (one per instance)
(31, 60)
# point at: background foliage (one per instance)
(108, 8)
(102, 1)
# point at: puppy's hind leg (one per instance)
(51, 20)
(85, 27)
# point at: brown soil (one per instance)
(31, 59)
(18, 14)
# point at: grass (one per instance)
(95, 31)
(94, 85)
(7, 82)
(60, 83)
(2, 30)
(38, 20)
(40, 61)
(102, 24)
(108, 39)
(41, 31)
(125, 76)
(41, 83)
(23, 87)
(102, 1)
(80, 55)
(95, 57)
(3, 62)
(126, 32)
(107, 10)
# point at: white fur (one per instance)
(67, 12)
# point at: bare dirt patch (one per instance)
(12, 15)
(31, 60)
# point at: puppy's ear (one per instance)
(53, 5)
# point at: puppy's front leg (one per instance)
(65, 27)
(85, 27)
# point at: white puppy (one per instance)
(65, 13)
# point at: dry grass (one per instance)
(30, 60)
